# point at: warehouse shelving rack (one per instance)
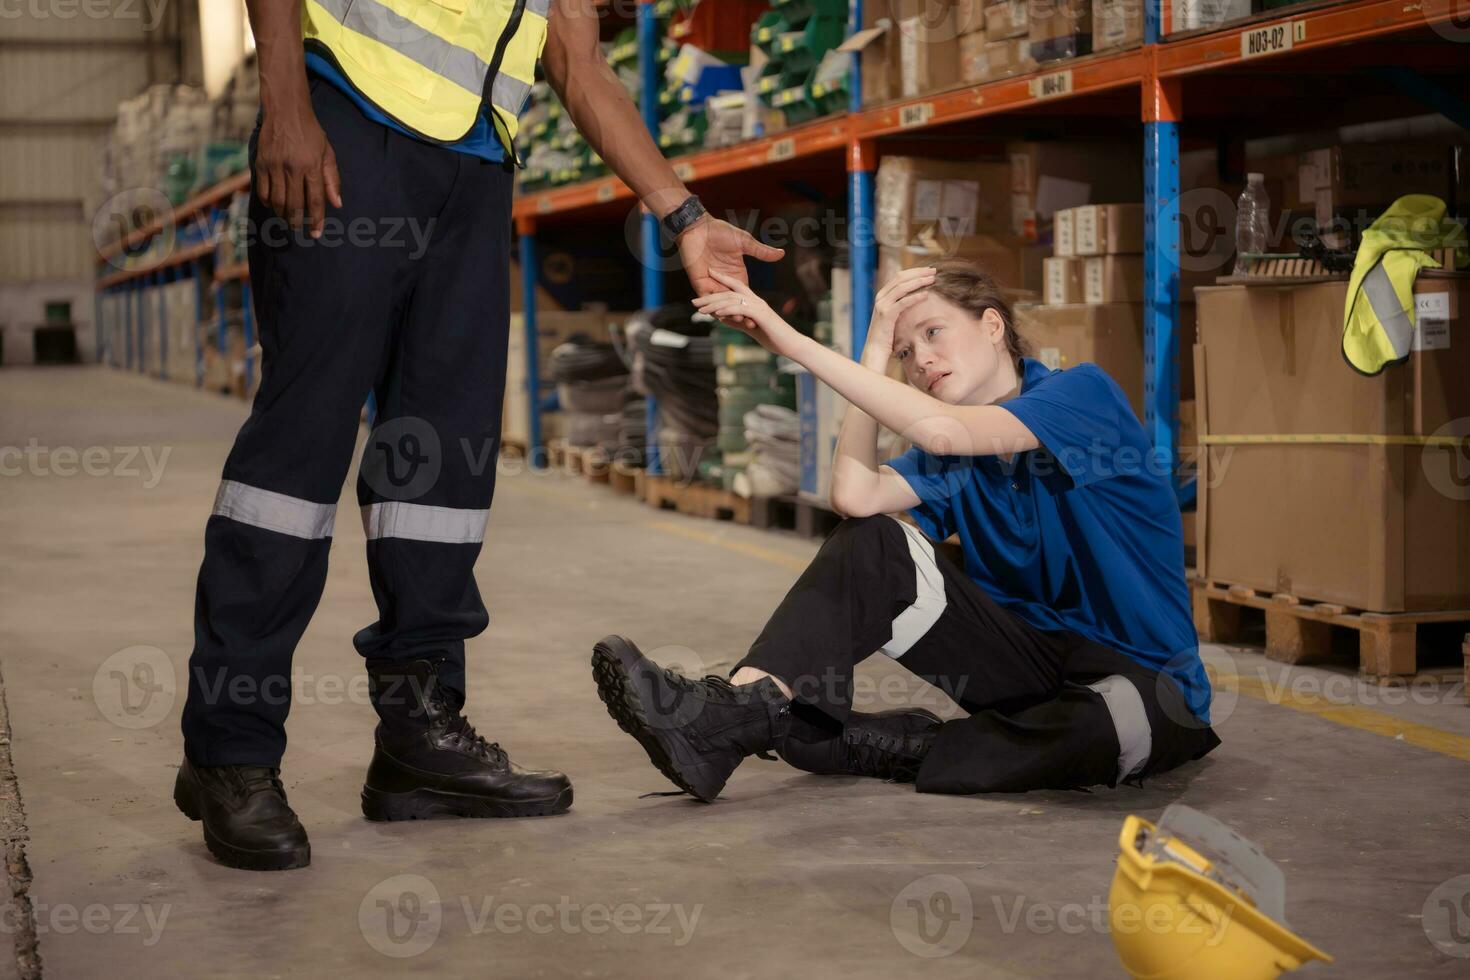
(1251, 65)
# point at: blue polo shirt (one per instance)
(1082, 533)
(481, 141)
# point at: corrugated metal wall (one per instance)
(64, 66)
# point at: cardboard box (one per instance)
(1047, 177)
(1002, 59)
(1002, 256)
(877, 47)
(969, 17)
(1116, 24)
(1107, 229)
(1009, 18)
(945, 198)
(1060, 28)
(1107, 334)
(1112, 279)
(974, 65)
(1381, 527)
(1063, 277)
(929, 54)
(1370, 175)
(1193, 15)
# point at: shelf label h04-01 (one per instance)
(782, 149)
(917, 114)
(1271, 39)
(1052, 85)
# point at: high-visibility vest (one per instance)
(431, 65)
(1378, 321)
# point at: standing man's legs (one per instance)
(424, 486)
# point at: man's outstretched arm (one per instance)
(600, 107)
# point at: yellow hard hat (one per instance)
(1211, 908)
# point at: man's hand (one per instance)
(711, 248)
(739, 306)
(295, 168)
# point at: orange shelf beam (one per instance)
(213, 195)
(1321, 27)
(180, 257)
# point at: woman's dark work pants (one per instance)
(1048, 709)
(406, 296)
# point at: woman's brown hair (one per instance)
(973, 290)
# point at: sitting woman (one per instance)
(1067, 636)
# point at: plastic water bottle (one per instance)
(1252, 220)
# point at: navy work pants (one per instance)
(405, 295)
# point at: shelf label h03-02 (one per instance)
(1271, 39)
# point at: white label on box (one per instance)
(1053, 85)
(1092, 280)
(957, 209)
(1063, 241)
(1056, 271)
(1272, 39)
(1431, 321)
(1084, 231)
(1051, 357)
(928, 198)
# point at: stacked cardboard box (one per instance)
(1060, 29)
(1194, 15)
(1368, 517)
(1098, 255)
(999, 46)
(1047, 177)
(1345, 187)
(1116, 24)
(930, 210)
(1109, 335)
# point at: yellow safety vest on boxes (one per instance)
(431, 64)
(1378, 324)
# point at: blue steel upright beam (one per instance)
(535, 457)
(1161, 113)
(165, 277)
(198, 270)
(862, 160)
(653, 279)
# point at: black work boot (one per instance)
(428, 761)
(247, 821)
(885, 745)
(695, 731)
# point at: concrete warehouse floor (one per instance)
(787, 874)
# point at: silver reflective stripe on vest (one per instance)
(460, 65)
(274, 511)
(542, 7)
(421, 522)
(1130, 720)
(510, 93)
(1386, 308)
(929, 602)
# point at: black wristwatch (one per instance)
(677, 221)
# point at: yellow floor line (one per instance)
(1348, 715)
(1353, 716)
(743, 547)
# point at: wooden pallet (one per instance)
(695, 499)
(793, 513)
(623, 476)
(1299, 631)
(556, 454)
(514, 448)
